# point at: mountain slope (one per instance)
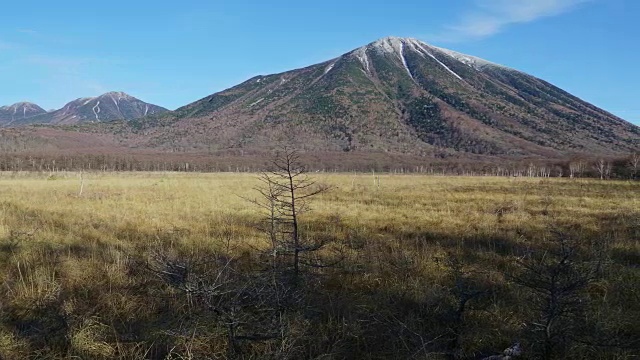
(19, 111)
(107, 107)
(400, 95)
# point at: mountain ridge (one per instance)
(19, 110)
(403, 95)
(393, 95)
(114, 105)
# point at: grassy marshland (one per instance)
(421, 267)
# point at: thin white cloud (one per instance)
(76, 73)
(489, 17)
(28, 31)
(62, 74)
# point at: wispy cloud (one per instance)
(81, 74)
(489, 17)
(62, 63)
(61, 70)
(28, 31)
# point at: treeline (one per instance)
(596, 167)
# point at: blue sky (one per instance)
(174, 52)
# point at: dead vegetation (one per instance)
(180, 266)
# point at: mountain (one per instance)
(397, 95)
(19, 111)
(107, 107)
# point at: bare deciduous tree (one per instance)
(557, 280)
(285, 195)
(465, 290)
(634, 163)
(601, 168)
(249, 306)
(576, 169)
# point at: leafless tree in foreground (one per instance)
(465, 290)
(557, 280)
(285, 192)
(249, 307)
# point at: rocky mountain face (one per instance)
(19, 111)
(399, 95)
(107, 107)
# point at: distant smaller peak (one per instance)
(23, 103)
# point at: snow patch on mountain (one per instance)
(422, 49)
(87, 100)
(396, 46)
(96, 110)
(18, 111)
(329, 68)
(472, 61)
(390, 44)
(256, 102)
(361, 54)
(111, 95)
(400, 52)
(393, 45)
(119, 95)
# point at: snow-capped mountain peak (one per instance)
(398, 46)
(114, 105)
(17, 111)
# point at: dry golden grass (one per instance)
(74, 281)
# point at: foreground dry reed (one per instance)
(77, 266)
